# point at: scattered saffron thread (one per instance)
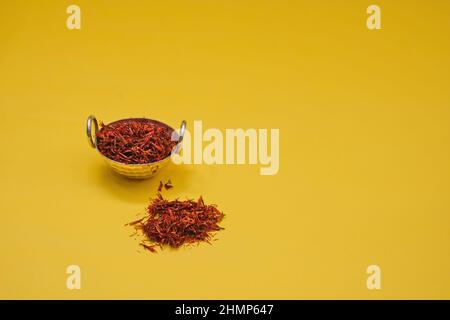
(168, 185)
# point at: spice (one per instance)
(135, 141)
(168, 185)
(176, 223)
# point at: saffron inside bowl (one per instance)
(135, 141)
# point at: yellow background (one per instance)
(364, 123)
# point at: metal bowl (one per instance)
(134, 171)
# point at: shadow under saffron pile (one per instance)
(176, 223)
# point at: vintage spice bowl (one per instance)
(134, 171)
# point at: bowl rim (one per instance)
(139, 164)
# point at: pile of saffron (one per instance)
(175, 223)
(135, 141)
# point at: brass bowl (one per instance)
(133, 171)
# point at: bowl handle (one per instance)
(182, 131)
(91, 119)
(177, 148)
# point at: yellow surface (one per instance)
(364, 130)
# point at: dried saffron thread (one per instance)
(175, 223)
(168, 185)
(135, 141)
